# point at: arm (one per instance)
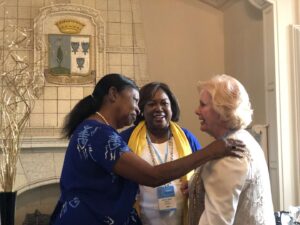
(223, 182)
(134, 168)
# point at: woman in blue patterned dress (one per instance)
(100, 173)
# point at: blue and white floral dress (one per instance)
(91, 193)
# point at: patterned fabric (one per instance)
(196, 198)
(235, 191)
(91, 193)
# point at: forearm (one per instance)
(172, 170)
(134, 168)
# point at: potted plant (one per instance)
(20, 86)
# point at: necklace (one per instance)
(103, 118)
(153, 150)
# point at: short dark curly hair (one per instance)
(148, 91)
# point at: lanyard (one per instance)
(152, 147)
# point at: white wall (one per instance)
(185, 43)
(286, 13)
(244, 55)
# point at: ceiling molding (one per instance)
(219, 4)
(216, 3)
(261, 4)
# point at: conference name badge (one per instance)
(166, 197)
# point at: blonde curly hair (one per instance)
(229, 99)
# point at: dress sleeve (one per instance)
(106, 148)
(125, 134)
(223, 182)
(194, 143)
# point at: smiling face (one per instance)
(127, 107)
(210, 121)
(157, 111)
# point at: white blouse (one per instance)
(233, 190)
(148, 201)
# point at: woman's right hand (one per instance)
(184, 188)
(227, 147)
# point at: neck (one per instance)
(104, 117)
(222, 133)
(159, 135)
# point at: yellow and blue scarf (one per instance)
(137, 141)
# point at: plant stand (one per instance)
(7, 207)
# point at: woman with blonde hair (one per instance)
(229, 190)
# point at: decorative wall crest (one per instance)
(71, 39)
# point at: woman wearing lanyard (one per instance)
(158, 139)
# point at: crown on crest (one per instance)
(69, 26)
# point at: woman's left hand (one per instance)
(225, 147)
(234, 147)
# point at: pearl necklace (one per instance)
(103, 118)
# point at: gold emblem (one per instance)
(69, 26)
